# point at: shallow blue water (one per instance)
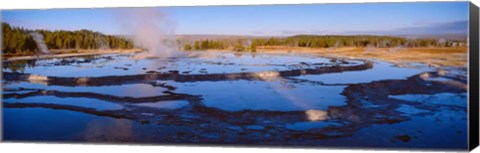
(127, 90)
(380, 71)
(193, 63)
(38, 124)
(81, 102)
(264, 95)
(443, 129)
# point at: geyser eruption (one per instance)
(40, 42)
(151, 29)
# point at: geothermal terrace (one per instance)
(231, 98)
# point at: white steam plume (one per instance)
(149, 28)
(442, 42)
(102, 44)
(40, 42)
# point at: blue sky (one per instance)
(366, 18)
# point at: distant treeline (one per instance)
(239, 45)
(20, 41)
(17, 40)
(206, 44)
(325, 41)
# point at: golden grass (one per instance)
(432, 56)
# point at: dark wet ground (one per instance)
(226, 98)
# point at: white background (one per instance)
(86, 148)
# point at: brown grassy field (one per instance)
(432, 56)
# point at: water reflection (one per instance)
(18, 66)
(109, 130)
(59, 125)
